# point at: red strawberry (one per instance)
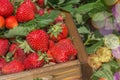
(2, 63)
(2, 22)
(33, 61)
(50, 57)
(51, 44)
(13, 67)
(17, 52)
(11, 22)
(6, 8)
(59, 19)
(25, 13)
(30, 4)
(4, 45)
(38, 40)
(41, 12)
(58, 32)
(63, 51)
(41, 3)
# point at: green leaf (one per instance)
(69, 2)
(109, 2)
(98, 17)
(94, 47)
(83, 30)
(42, 21)
(86, 8)
(68, 8)
(45, 20)
(79, 18)
(106, 70)
(103, 74)
(98, 7)
(61, 1)
(17, 31)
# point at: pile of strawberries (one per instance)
(40, 46)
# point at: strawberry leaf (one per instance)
(46, 19)
(42, 21)
(18, 31)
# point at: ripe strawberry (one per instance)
(63, 51)
(17, 52)
(49, 55)
(58, 32)
(2, 63)
(102, 79)
(24, 13)
(30, 4)
(11, 22)
(33, 61)
(59, 19)
(4, 45)
(6, 8)
(51, 44)
(2, 22)
(41, 3)
(13, 67)
(41, 12)
(38, 40)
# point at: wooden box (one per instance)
(72, 70)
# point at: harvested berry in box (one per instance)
(32, 35)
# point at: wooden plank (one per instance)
(44, 71)
(82, 56)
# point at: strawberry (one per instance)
(4, 45)
(25, 13)
(30, 4)
(41, 12)
(2, 22)
(13, 67)
(49, 55)
(6, 8)
(51, 44)
(17, 52)
(63, 51)
(59, 19)
(11, 22)
(33, 60)
(102, 79)
(2, 63)
(38, 40)
(58, 32)
(41, 3)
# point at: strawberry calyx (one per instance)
(55, 30)
(9, 57)
(43, 56)
(25, 46)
